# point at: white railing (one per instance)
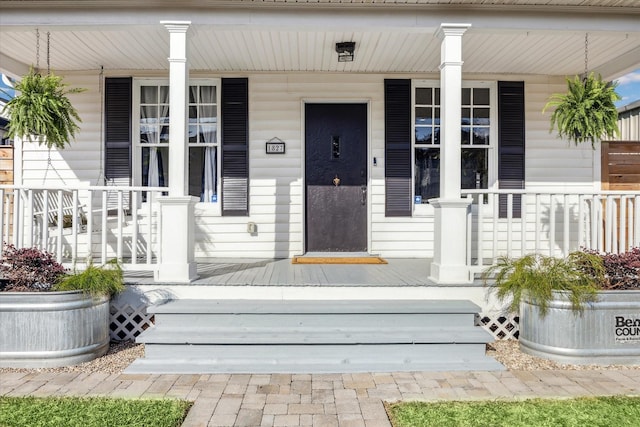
(518, 222)
(81, 224)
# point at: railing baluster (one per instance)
(134, 235)
(538, 222)
(608, 224)
(480, 236)
(496, 210)
(581, 239)
(552, 225)
(523, 224)
(5, 237)
(103, 243)
(60, 230)
(469, 230)
(622, 224)
(29, 237)
(149, 227)
(45, 220)
(120, 233)
(566, 227)
(75, 224)
(90, 228)
(509, 223)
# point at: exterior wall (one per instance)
(276, 109)
(552, 163)
(629, 122)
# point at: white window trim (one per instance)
(492, 176)
(214, 208)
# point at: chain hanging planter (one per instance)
(587, 111)
(41, 110)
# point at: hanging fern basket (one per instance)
(41, 111)
(586, 112)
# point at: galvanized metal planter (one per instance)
(607, 332)
(49, 329)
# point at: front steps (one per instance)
(304, 336)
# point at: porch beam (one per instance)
(449, 264)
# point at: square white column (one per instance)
(449, 264)
(176, 264)
(178, 111)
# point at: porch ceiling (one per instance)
(402, 42)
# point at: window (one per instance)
(151, 154)
(476, 127)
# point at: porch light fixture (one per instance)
(345, 51)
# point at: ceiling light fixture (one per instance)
(345, 51)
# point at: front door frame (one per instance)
(303, 150)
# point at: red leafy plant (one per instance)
(29, 270)
(622, 271)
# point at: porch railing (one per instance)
(81, 224)
(517, 222)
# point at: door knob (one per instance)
(336, 180)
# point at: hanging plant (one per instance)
(42, 112)
(586, 112)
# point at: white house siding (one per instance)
(276, 105)
(552, 163)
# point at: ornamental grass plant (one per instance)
(535, 277)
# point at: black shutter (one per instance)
(397, 124)
(117, 130)
(511, 144)
(235, 137)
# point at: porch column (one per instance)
(178, 98)
(450, 243)
(176, 264)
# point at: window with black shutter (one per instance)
(117, 138)
(235, 136)
(397, 119)
(511, 143)
(117, 130)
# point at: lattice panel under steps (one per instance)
(128, 322)
(501, 327)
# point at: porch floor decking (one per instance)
(281, 272)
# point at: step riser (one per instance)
(233, 336)
(315, 320)
(183, 366)
(314, 354)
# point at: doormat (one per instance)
(338, 260)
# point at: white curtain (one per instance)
(152, 128)
(208, 129)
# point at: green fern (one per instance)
(41, 109)
(587, 111)
(535, 277)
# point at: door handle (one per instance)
(364, 194)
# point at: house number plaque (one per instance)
(275, 147)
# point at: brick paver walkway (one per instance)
(317, 400)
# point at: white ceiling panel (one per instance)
(233, 49)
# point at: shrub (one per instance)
(29, 269)
(622, 271)
(103, 280)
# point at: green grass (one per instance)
(89, 412)
(617, 411)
